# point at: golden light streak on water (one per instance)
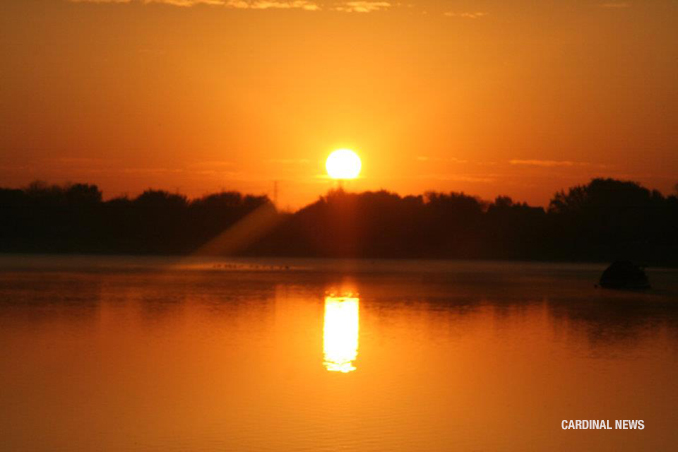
(340, 333)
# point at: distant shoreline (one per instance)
(276, 260)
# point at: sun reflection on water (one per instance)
(340, 333)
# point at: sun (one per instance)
(343, 164)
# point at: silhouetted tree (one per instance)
(603, 220)
(609, 219)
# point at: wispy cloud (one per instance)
(362, 6)
(355, 6)
(305, 5)
(615, 5)
(168, 2)
(466, 15)
(145, 170)
(212, 164)
(547, 163)
(289, 161)
(186, 2)
(274, 4)
(460, 178)
(77, 161)
(100, 1)
(424, 158)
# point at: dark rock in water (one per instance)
(624, 275)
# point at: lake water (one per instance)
(152, 354)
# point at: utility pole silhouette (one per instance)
(340, 184)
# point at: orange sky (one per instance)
(488, 97)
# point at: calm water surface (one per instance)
(117, 354)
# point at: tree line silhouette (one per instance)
(603, 220)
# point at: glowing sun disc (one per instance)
(343, 164)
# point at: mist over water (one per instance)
(121, 353)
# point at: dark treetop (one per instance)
(602, 221)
